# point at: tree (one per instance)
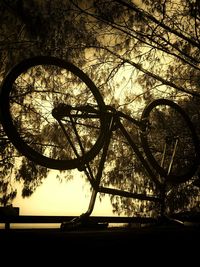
(158, 41)
(26, 32)
(134, 51)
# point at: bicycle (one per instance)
(54, 115)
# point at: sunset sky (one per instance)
(61, 198)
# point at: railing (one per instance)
(10, 215)
(25, 219)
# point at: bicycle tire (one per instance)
(168, 126)
(29, 92)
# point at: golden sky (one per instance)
(62, 198)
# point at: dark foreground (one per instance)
(149, 244)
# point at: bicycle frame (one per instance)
(114, 122)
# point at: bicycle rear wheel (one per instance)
(170, 141)
(31, 91)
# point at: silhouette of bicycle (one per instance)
(55, 116)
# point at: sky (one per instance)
(66, 198)
(62, 198)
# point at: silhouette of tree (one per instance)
(156, 41)
(134, 51)
(28, 29)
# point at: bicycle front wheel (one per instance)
(31, 91)
(170, 141)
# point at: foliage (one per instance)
(134, 51)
